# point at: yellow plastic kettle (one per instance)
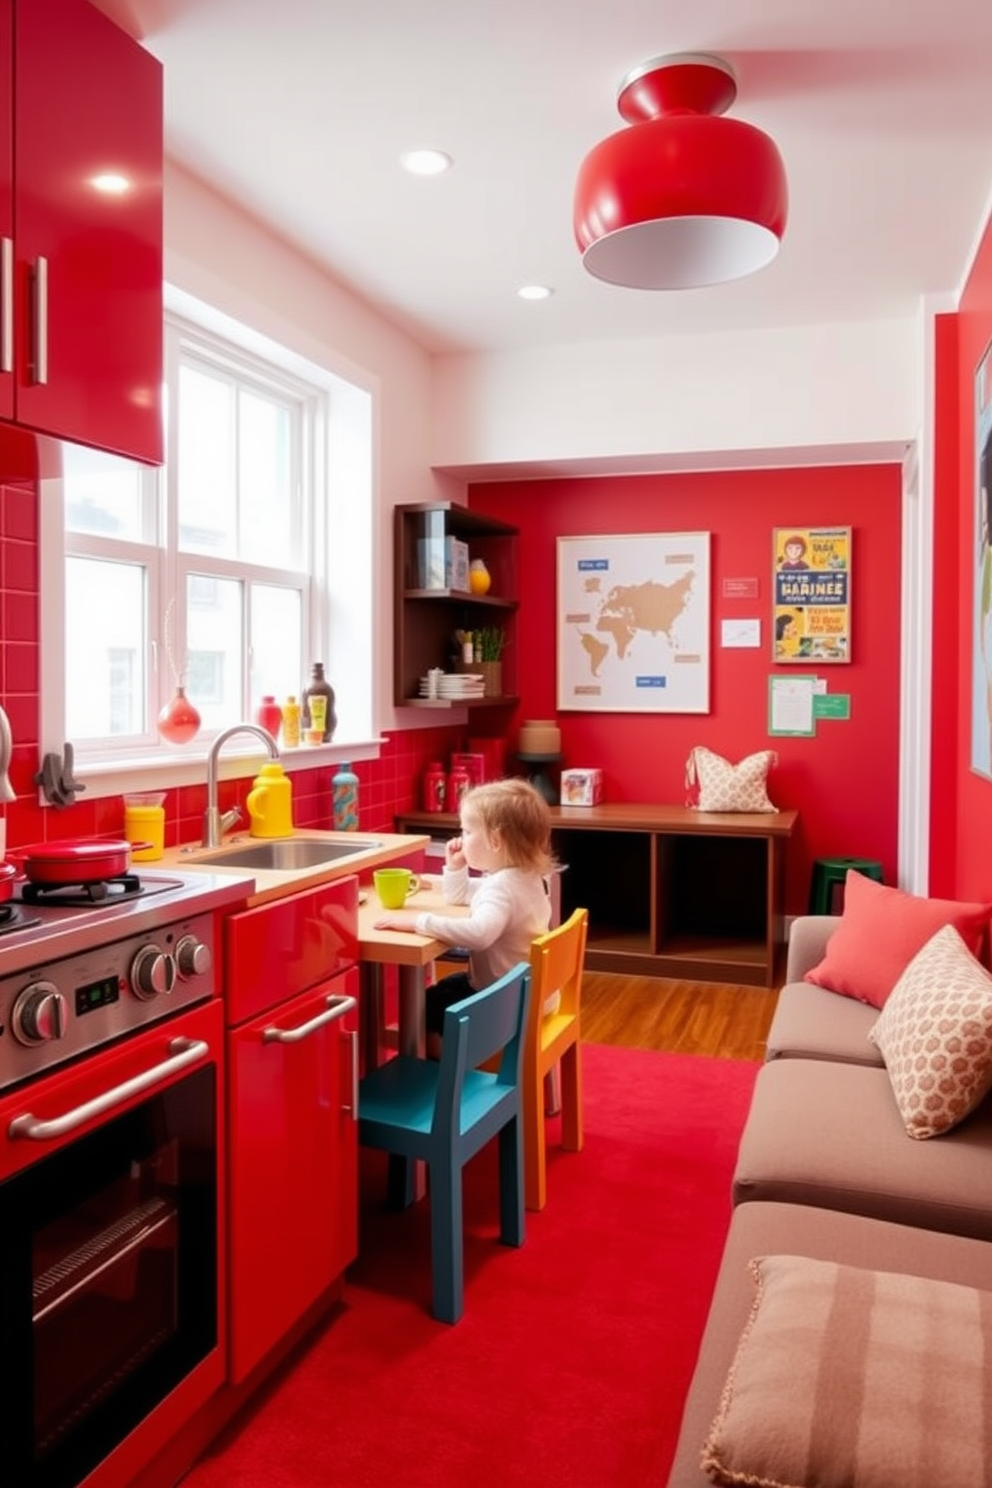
(270, 803)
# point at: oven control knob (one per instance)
(152, 971)
(193, 958)
(38, 1015)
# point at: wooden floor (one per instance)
(724, 1021)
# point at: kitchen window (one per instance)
(217, 572)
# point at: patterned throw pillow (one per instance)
(935, 1035)
(865, 1378)
(722, 786)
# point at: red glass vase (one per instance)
(179, 721)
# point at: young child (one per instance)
(505, 837)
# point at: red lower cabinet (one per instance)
(292, 1127)
(292, 1088)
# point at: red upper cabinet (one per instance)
(84, 150)
(6, 217)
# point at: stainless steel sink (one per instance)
(287, 854)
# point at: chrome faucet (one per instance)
(7, 792)
(214, 824)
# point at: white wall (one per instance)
(220, 255)
(822, 393)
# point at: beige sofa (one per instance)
(826, 1171)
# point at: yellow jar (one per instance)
(144, 822)
(270, 803)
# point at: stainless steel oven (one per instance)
(111, 1173)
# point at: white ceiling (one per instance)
(299, 110)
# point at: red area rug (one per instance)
(570, 1365)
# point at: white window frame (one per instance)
(339, 622)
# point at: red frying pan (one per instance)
(72, 862)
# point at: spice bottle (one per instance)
(291, 723)
(344, 788)
(318, 686)
(434, 787)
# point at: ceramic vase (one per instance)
(478, 577)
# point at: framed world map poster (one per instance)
(634, 623)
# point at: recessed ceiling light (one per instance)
(112, 183)
(425, 162)
(535, 292)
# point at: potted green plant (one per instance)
(487, 658)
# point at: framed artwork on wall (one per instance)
(633, 623)
(981, 647)
(811, 586)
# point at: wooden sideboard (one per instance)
(670, 891)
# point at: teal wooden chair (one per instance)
(444, 1111)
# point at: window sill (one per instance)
(104, 778)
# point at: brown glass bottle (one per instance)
(319, 686)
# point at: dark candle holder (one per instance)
(538, 777)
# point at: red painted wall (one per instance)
(969, 806)
(844, 782)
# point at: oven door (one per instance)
(108, 1249)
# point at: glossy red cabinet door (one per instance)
(292, 1163)
(6, 216)
(279, 949)
(88, 260)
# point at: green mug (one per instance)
(393, 885)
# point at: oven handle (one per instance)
(336, 1008)
(184, 1052)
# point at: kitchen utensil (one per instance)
(74, 862)
(394, 886)
(7, 875)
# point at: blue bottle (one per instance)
(345, 795)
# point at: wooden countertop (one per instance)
(624, 816)
(269, 884)
(403, 947)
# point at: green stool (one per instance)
(826, 894)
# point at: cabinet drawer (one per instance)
(282, 948)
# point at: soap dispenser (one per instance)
(270, 803)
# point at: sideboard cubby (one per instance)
(671, 892)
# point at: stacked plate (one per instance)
(452, 686)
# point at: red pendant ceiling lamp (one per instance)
(682, 197)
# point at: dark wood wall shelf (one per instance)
(671, 891)
(425, 619)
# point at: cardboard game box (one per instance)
(581, 787)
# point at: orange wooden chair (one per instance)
(553, 1039)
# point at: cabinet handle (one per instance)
(353, 1107)
(336, 1008)
(39, 284)
(183, 1052)
(7, 305)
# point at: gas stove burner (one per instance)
(13, 918)
(95, 892)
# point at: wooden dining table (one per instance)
(411, 954)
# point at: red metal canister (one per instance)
(459, 781)
(435, 792)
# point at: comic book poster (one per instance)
(812, 594)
